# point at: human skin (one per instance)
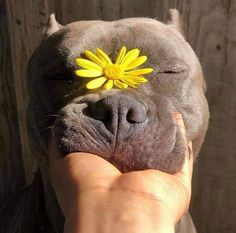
(95, 197)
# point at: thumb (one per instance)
(87, 169)
(79, 167)
(74, 173)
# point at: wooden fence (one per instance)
(211, 31)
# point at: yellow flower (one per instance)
(121, 74)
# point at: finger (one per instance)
(190, 149)
(77, 173)
(178, 118)
(85, 165)
(186, 171)
(187, 168)
(185, 175)
(78, 163)
(84, 169)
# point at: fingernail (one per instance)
(177, 117)
(190, 144)
(190, 149)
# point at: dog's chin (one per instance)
(147, 149)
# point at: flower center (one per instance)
(113, 71)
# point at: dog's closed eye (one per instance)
(57, 76)
(60, 76)
(175, 69)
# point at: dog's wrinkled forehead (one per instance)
(148, 35)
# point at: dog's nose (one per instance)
(118, 112)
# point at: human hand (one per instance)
(96, 197)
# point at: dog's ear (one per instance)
(175, 20)
(52, 26)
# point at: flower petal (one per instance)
(130, 57)
(135, 79)
(88, 64)
(121, 55)
(88, 73)
(94, 58)
(108, 85)
(120, 84)
(137, 62)
(96, 83)
(103, 56)
(140, 72)
(130, 82)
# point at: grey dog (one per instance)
(132, 128)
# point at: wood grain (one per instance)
(25, 20)
(211, 32)
(11, 166)
(133, 8)
(214, 38)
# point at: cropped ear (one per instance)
(174, 19)
(52, 26)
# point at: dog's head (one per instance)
(131, 128)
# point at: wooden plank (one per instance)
(134, 8)
(213, 35)
(25, 22)
(156, 10)
(11, 166)
(73, 10)
(110, 9)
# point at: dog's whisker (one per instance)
(45, 119)
(46, 128)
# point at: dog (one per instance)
(131, 128)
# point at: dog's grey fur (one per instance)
(60, 100)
